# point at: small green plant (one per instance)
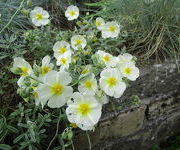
(70, 75)
(28, 128)
(136, 100)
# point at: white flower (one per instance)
(111, 82)
(72, 12)
(64, 61)
(36, 98)
(88, 85)
(130, 71)
(101, 97)
(39, 16)
(123, 59)
(55, 89)
(46, 65)
(107, 58)
(110, 29)
(24, 69)
(84, 110)
(99, 23)
(78, 41)
(61, 48)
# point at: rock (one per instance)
(139, 127)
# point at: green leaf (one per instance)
(57, 148)
(12, 129)
(5, 147)
(23, 125)
(17, 139)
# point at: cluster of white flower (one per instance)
(117, 68)
(109, 29)
(55, 88)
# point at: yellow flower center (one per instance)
(72, 13)
(36, 95)
(39, 16)
(107, 58)
(63, 61)
(112, 28)
(78, 42)
(84, 109)
(98, 23)
(112, 81)
(57, 89)
(128, 70)
(89, 84)
(62, 50)
(24, 71)
(45, 69)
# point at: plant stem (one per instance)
(57, 130)
(12, 17)
(89, 140)
(72, 144)
(36, 79)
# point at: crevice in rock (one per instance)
(147, 112)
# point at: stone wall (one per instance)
(139, 127)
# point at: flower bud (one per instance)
(70, 135)
(29, 89)
(79, 23)
(29, 3)
(67, 134)
(25, 12)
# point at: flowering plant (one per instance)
(85, 73)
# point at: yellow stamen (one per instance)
(45, 69)
(112, 81)
(112, 28)
(72, 13)
(88, 84)
(63, 61)
(107, 58)
(62, 50)
(39, 16)
(24, 71)
(98, 23)
(57, 89)
(78, 42)
(84, 109)
(128, 70)
(36, 95)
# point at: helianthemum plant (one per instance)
(83, 74)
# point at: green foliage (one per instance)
(30, 127)
(153, 28)
(136, 100)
